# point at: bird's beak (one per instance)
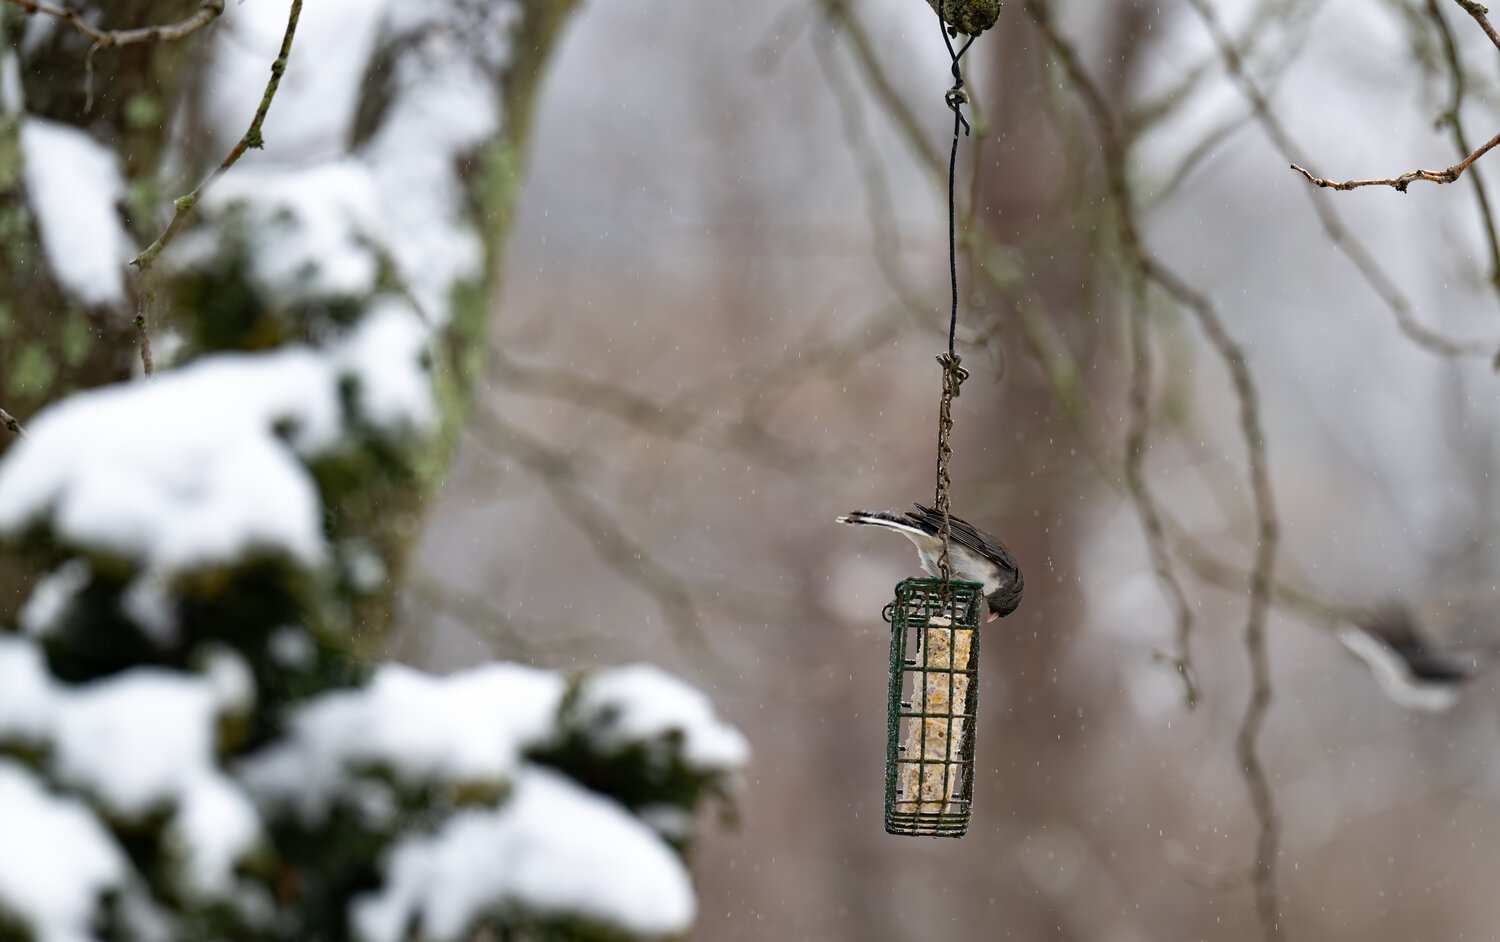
(990, 617)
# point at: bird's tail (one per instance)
(880, 518)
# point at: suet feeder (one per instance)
(934, 695)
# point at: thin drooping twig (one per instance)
(1333, 225)
(869, 60)
(877, 197)
(183, 206)
(1411, 176)
(1140, 492)
(1454, 119)
(1480, 14)
(1262, 573)
(208, 11)
(11, 425)
(1175, 98)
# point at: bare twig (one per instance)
(840, 16)
(878, 205)
(208, 11)
(1411, 176)
(11, 425)
(1480, 14)
(183, 205)
(1333, 225)
(1454, 119)
(1140, 492)
(105, 38)
(1266, 523)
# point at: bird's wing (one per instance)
(965, 534)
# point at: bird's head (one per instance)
(1007, 598)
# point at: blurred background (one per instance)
(725, 293)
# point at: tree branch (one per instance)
(183, 205)
(208, 11)
(1479, 12)
(839, 15)
(1411, 176)
(1144, 500)
(1454, 120)
(11, 425)
(1333, 225)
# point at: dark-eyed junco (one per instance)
(1406, 663)
(975, 556)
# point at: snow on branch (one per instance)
(73, 184)
(640, 702)
(553, 849)
(402, 194)
(135, 744)
(412, 729)
(511, 836)
(56, 862)
(205, 466)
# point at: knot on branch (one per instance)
(967, 16)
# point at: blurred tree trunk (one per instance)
(1038, 187)
(51, 344)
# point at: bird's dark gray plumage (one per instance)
(975, 555)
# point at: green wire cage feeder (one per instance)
(929, 765)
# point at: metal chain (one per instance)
(953, 378)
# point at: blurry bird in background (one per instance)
(1411, 662)
(974, 555)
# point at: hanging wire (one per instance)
(953, 373)
(955, 98)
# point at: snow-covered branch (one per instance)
(192, 742)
